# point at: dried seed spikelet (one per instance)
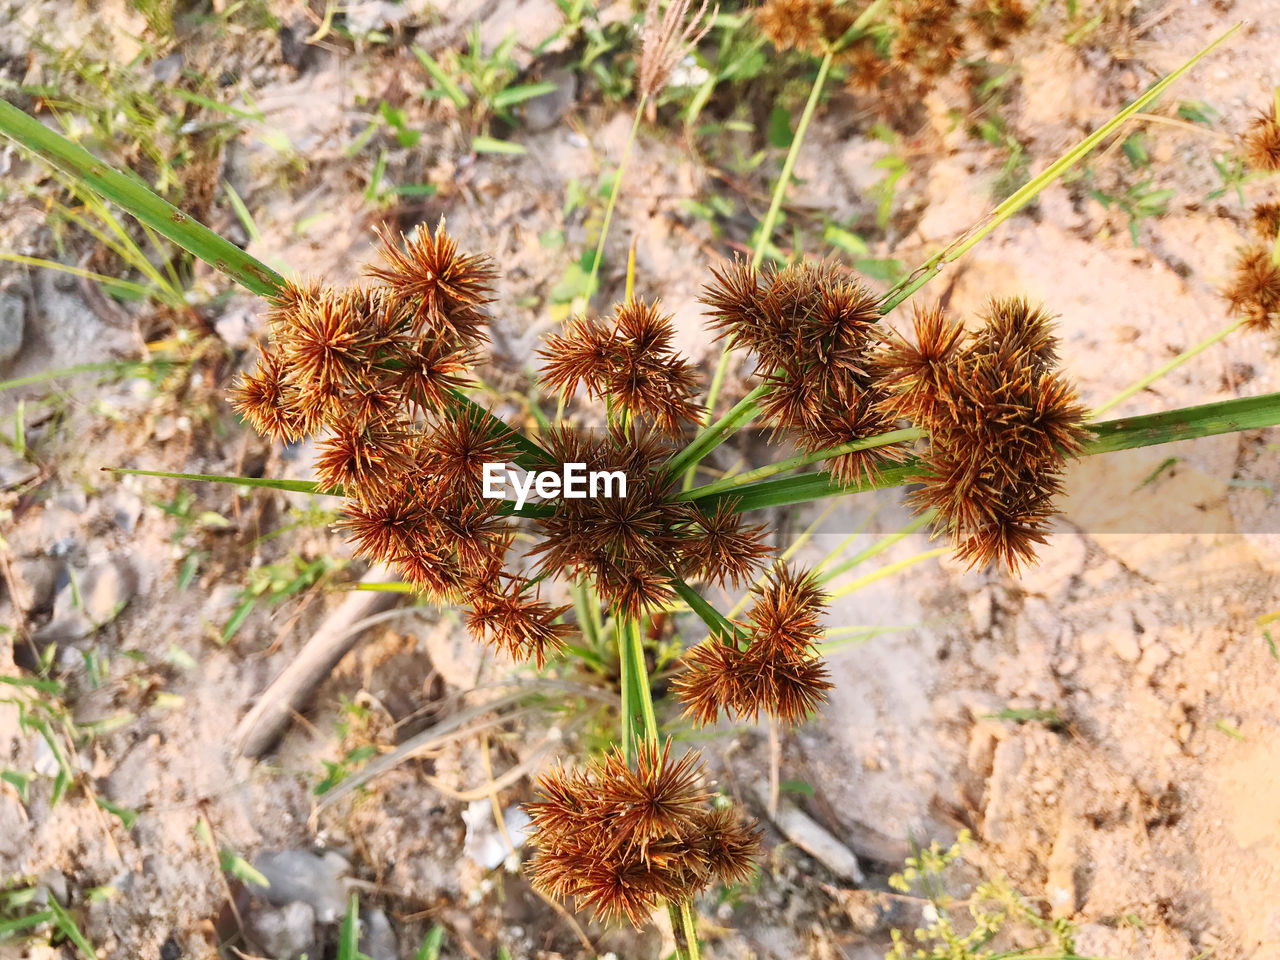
(723, 549)
(365, 460)
(1002, 425)
(629, 360)
(779, 672)
(456, 451)
(266, 399)
(1265, 221)
(1262, 143)
(508, 613)
(1254, 293)
(445, 291)
(927, 37)
(630, 546)
(999, 19)
(664, 42)
(813, 331)
(810, 26)
(625, 544)
(621, 841)
(327, 343)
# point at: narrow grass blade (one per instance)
(295, 486)
(131, 195)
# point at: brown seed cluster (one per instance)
(1002, 424)
(373, 369)
(924, 39)
(812, 330)
(1262, 143)
(778, 672)
(628, 360)
(630, 546)
(1254, 291)
(621, 841)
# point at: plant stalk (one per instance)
(1153, 376)
(771, 217)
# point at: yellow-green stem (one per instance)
(1154, 375)
(604, 227)
(690, 931)
(766, 226)
(640, 678)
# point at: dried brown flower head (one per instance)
(265, 398)
(1254, 292)
(444, 290)
(665, 40)
(1002, 424)
(1262, 143)
(779, 672)
(1265, 221)
(813, 330)
(810, 26)
(621, 841)
(928, 36)
(629, 360)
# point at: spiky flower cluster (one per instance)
(621, 841)
(812, 330)
(630, 547)
(374, 369)
(1262, 143)
(924, 39)
(629, 361)
(779, 671)
(1002, 424)
(1254, 290)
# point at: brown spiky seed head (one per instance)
(444, 290)
(267, 400)
(621, 840)
(1265, 221)
(1002, 424)
(1254, 291)
(1262, 143)
(810, 26)
(779, 672)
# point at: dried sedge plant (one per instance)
(1254, 291)
(375, 371)
(623, 840)
(1002, 424)
(917, 42)
(812, 330)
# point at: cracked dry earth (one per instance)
(1146, 808)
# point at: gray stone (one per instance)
(377, 939)
(284, 933)
(13, 325)
(103, 591)
(15, 473)
(318, 880)
(485, 844)
(544, 111)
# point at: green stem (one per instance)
(712, 436)
(906, 435)
(917, 524)
(771, 217)
(1024, 195)
(132, 195)
(640, 680)
(690, 930)
(613, 200)
(715, 621)
(1173, 364)
(625, 705)
(1169, 426)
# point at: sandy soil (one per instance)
(1145, 812)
